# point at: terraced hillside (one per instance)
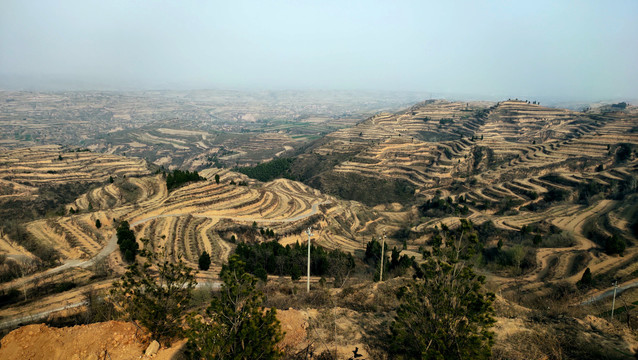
(204, 216)
(515, 164)
(552, 191)
(435, 142)
(38, 181)
(185, 129)
(58, 165)
(172, 144)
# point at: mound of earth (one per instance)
(112, 340)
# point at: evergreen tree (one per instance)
(98, 223)
(586, 280)
(127, 242)
(155, 294)
(235, 325)
(204, 261)
(444, 314)
(537, 240)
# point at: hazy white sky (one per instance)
(568, 49)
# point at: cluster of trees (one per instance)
(611, 189)
(482, 155)
(396, 265)
(620, 105)
(269, 170)
(614, 244)
(178, 177)
(443, 313)
(556, 195)
(269, 233)
(438, 207)
(351, 186)
(514, 258)
(623, 152)
(291, 260)
(519, 258)
(16, 231)
(126, 241)
(598, 229)
(234, 325)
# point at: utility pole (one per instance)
(309, 232)
(613, 302)
(382, 256)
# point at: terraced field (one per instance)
(42, 175)
(506, 162)
(23, 168)
(203, 216)
(513, 164)
(172, 146)
(437, 141)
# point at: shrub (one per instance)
(623, 152)
(556, 194)
(615, 245)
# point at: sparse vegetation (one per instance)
(537, 183)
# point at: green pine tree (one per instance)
(204, 261)
(235, 325)
(155, 294)
(445, 314)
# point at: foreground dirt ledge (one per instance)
(118, 339)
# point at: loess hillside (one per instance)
(550, 192)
